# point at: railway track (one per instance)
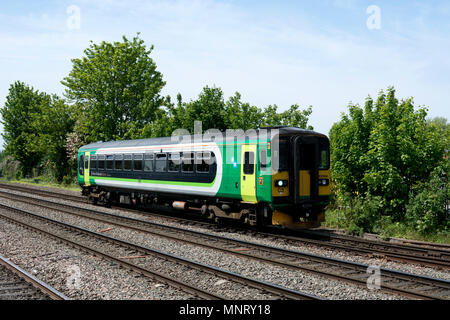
(119, 252)
(438, 256)
(17, 284)
(391, 281)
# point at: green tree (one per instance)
(20, 136)
(293, 117)
(116, 89)
(52, 124)
(239, 115)
(209, 108)
(379, 153)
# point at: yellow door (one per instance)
(305, 183)
(87, 165)
(248, 174)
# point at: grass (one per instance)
(393, 230)
(43, 181)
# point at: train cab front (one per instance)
(301, 179)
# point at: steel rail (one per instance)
(433, 257)
(39, 285)
(278, 290)
(264, 253)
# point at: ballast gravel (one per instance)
(78, 275)
(306, 282)
(308, 248)
(312, 284)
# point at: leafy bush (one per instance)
(68, 180)
(10, 168)
(362, 214)
(427, 208)
(382, 157)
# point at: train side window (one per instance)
(249, 162)
(94, 163)
(174, 162)
(127, 162)
(188, 162)
(81, 165)
(118, 165)
(161, 162)
(86, 162)
(280, 156)
(263, 161)
(324, 162)
(101, 162)
(148, 162)
(202, 162)
(137, 162)
(109, 162)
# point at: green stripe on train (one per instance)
(177, 183)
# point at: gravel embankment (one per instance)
(57, 264)
(308, 248)
(302, 281)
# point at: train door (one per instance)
(86, 168)
(248, 173)
(305, 168)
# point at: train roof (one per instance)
(270, 132)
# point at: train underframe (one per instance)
(306, 215)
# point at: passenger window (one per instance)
(118, 162)
(188, 162)
(137, 162)
(93, 163)
(109, 162)
(127, 162)
(249, 162)
(161, 162)
(101, 162)
(148, 162)
(174, 162)
(86, 162)
(202, 161)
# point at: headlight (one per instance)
(323, 182)
(281, 183)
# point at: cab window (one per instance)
(324, 160)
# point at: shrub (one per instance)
(427, 208)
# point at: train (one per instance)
(274, 176)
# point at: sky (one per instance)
(326, 53)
